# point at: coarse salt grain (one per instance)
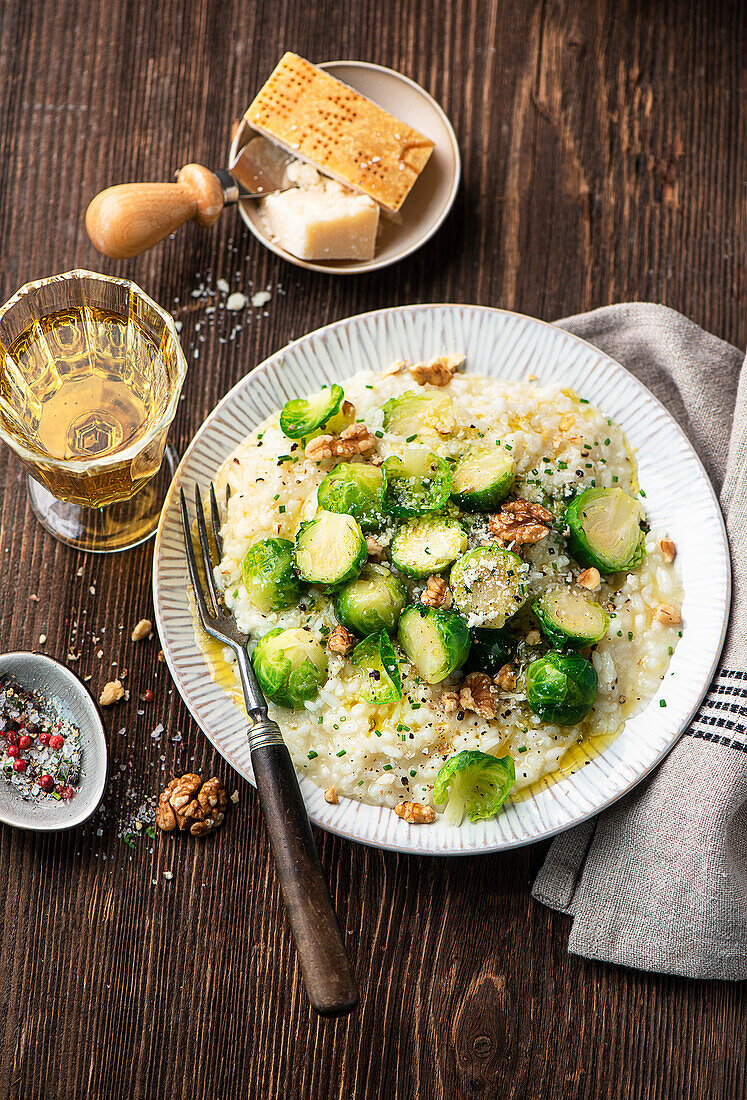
(236, 301)
(261, 298)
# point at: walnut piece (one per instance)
(330, 795)
(189, 804)
(506, 678)
(449, 701)
(141, 630)
(478, 694)
(667, 615)
(415, 813)
(341, 641)
(438, 372)
(111, 693)
(668, 550)
(436, 593)
(354, 440)
(521, 521)
(394, 368)
(375, 549)
(590, 578)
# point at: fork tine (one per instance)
(215, 515)
(207, 559)
(194, 574)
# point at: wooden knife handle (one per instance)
(130, 218)
(324, 963)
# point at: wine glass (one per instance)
(91, 370)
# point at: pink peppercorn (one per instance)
(65, 792)
(13, 751)
(19, 765)
(13, 738)
(56, 742)
(43, 738)
(46, 782)
(147, 696)
(25, 742)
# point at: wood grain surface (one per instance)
(604, 159)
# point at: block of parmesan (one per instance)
(342, 133)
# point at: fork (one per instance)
(326, 971)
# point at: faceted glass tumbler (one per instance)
(91, 370)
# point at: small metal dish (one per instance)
(75, 703)
(432, 197)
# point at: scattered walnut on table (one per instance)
(189, 804)
(354, 440)
(667, 615)
(437, 372)
(521, 521)
(436, 593)
(111, 693)
(590, 578)
(141, 630)
(341, 641)
(415, 813)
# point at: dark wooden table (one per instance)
(604, 160)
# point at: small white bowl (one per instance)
(74, 702)
(433, 194)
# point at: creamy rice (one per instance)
(384, 754)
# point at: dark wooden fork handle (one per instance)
(324, 962)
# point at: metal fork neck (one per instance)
(262, 731)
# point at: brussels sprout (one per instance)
(372, 602)
(303, 415)
(436, 641)
(377, 661)
(416, 484)
(290, 665)
(482, 478)
(561, 688)
(330, 548)
(490, 650)
(605, 530)
(355, 489)
(427, 545)
(489, 585)
(568, 618)
(418, 413)
(270, 581)
(474, 783)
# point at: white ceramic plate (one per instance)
(433, 194)
(679, 499)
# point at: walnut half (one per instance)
(189, 804)
(354, 440)
(521, 521)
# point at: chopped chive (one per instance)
(340, 753)
(662, 702)
(311, 755)
(387, 768)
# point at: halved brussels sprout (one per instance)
(427, 545)
(416, 484)
(377, 662)
(489, 585)
(490, 650)
(423, 413)
(568, 618)
(605, 530)
(330, 548)
(303, 415)
(435, 641)
(268, 574)
(474, 783)
(561, 688)
(482, 478)
(291, 666)
(356, 489)
(372, 602)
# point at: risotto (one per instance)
(447, 581)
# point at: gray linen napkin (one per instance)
(659, 881)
